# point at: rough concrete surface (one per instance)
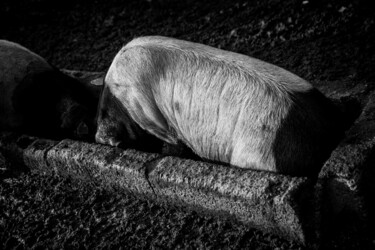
(270, 202)
(102, 165)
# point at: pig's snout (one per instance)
(107, 135)
(109, 140)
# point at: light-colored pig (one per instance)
(225, 106)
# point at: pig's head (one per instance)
(115, 127)
(53, 104)
(77, 108)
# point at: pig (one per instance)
(226, 107)
(36, 98)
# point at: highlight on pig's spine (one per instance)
(225, 106)
(37, 98)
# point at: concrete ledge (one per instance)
(270, 202)
(103, 165)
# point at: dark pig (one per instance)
(37, 98)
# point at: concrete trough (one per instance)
(295, 208)
(270, 202)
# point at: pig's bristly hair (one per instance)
(225, 106)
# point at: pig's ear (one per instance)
(148, 116)
(97, 81)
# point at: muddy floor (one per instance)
(328, 42)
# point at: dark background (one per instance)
(318, 40)
(328, 42)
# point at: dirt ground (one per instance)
(324, 41)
